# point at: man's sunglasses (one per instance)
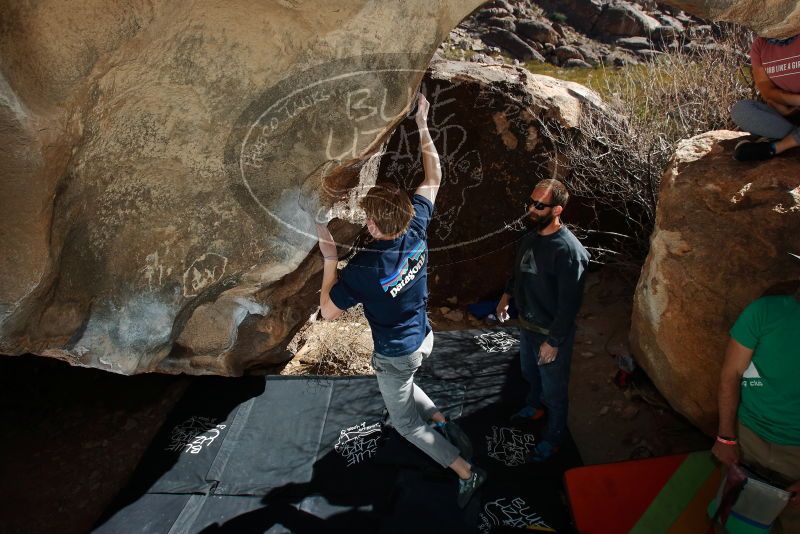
(538, 205)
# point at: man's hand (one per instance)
(502, 308)
(326, 243)
(422, 110)
(547, 353)
(794, 488)
(727, 454)
(782, 109)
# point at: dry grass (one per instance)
(615, 159)
(333, 348)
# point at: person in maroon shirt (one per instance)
(776, 72)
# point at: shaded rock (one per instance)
(492, 12)
(589, 54)
(538, 31)
(511, 43)
(687, 299)
(581, 14)
(477, 46)
(703, 31)
(629, 412)
(576, 63)
(539, 47)
(673, 23)
(506, 23)
(161, 178)
(482, 58)
(649, 55)
(559, 28)
(634, 43)
(565, 53)
(624, 20)
(619, 59)
(715, 49)
(501, 4)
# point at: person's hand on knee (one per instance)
(782, 108)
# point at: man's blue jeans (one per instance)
(549, 383)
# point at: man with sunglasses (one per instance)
(547, 286)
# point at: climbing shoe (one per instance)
(529, 413)
(541, 452)
(468, 487)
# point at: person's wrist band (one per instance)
(330, 257)
(726, 440)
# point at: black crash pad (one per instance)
(311, 454)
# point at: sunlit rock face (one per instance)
(769, 18)
(162, 163)
(723, 233)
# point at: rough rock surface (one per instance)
(157, 160)
(484, 120)
(722, 234)
(537, 31)
(624, 20)
(510, 42)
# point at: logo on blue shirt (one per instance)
(396, 281)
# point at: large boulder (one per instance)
(486, 122)
(770, 18)
(624, 20)
(163, 163)
(538, 31)
(722, 236)
(510, 42)
(581, 14)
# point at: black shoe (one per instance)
(541, 452)
(455, 435)
(528, 413)
(751, 151)
(468, 487)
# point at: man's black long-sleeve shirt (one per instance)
(548, 280)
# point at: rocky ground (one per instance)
(575, 34)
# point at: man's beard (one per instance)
(542, 221)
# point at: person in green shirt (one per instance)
(759, 397)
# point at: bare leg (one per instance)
(462, 468)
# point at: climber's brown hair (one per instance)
(389, 208)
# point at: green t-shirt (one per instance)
(770, 392)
